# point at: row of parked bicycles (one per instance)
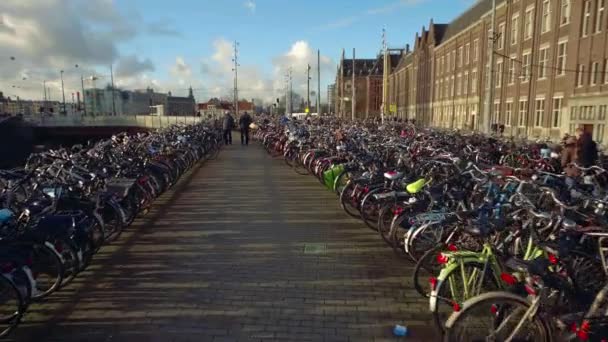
(506, 246)
(62, 206)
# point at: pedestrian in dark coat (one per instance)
(244, 122)
(586, 150)
(227, 126)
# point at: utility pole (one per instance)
(308, 87)
(236, 78)
(290, 93)
(84, 105)
(112, 79)
(44, 105)
(319, 83)
(63, 93)
(385, 68)
(488, 112)
(354, 91)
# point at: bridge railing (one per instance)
(143, 121)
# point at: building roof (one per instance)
(439, 32)
(469, 17)
(394, 58)
(362, 66)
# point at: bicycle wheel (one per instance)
(426, 271)
(341, 182)
(462, 283)
(496, 316)
(397, 233)
(370, 207)
(47, 270)
(12, 306)
(423, 239)
(348, 200)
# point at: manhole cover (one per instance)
(315, 248)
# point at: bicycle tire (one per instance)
(509, 300)
(370, 221)
(345, 199)
(46, 253)
(11, 321)
(427, 267)
(449, 299)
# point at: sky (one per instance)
(172, 45)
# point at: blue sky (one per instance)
(172, 44)
(273, 25)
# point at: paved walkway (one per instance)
(243, 249)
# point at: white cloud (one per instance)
(86, 32)
(250, 5)
(253, 81)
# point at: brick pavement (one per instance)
(221, 257)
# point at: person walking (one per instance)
(244, 122)
(586, 152)
(568, 151)
(228, 125)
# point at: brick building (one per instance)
(369, 83)
(550, 71)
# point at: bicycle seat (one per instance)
(415, 187)
(393, 175)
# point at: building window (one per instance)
(525, 67)
(523, 112)
(565, 13)
(573, 113)
(499, 71)
(465, 86)
(595, 73)
(474, 82)
(606, 70)
(467, 51)
(540, 112)
(561, 58)
(460, 56)
(586, 18)
(580, 75)
(528, 23)
(599, 136)
(452, 86)
(512, 70)
(496, 113)
(475, 50)
(601, 115)
(508, 113)
(543, 58)
(557, 109)
(453, 60)
(458, 84)
(546, 19)
(514, 29)
(599, 17)
(501, 36)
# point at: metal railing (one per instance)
(143, 121)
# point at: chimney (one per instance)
(407, 48)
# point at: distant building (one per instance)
(331, 97)
(216, 107)
(138, 102)
(181, 106)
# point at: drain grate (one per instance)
(315, 248)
